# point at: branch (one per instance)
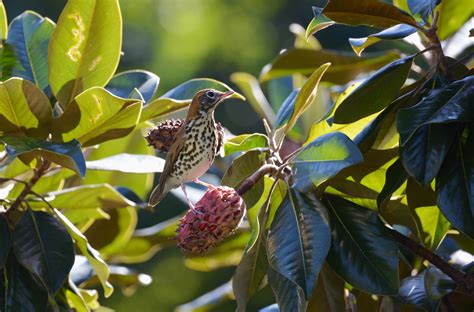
(257, 175)
(464, 281)
(13, 213)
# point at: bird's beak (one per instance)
(231, 95)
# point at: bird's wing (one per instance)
(175, 149)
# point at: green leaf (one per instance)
(3, 22)
(24, 109)
(126, 83)
(318, 23)
(254, 94)
(210, 301)
(299, 240)
(375, 93)
(96, 116)
(128, 279)
(394, 179)
(245, 142)
(455, 184)
(29, 37)
(452, 15)
(129, 163)
(92, 255)
(241, 168)
(286, 109)
(289, 296)
(180, 97)
(362, 252)
(344, 66)
(444, 105)
(328, 295)
(393, 33)
(424, 8)
(44, 247)
(5, 240)
(85, 47)
(307, 95)
(324, 158)
(366, 12)
(68, 155)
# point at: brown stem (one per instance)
(13, 213)
(257, 175)
(464, 281)
(432, 36)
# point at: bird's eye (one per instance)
(210, 94)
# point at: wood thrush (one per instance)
(194, 146)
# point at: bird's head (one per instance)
(205, 101)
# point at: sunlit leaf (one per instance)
(96, 116)
(245, 142)
(363, 253)
(85, 47)
(452, 15)
(375, 93)
(424, 8)
(393, 33)
(130, 163)
(344, 66)
(299, 240)
(3, 22)
(29, 36)
(324, 158)
(366, 12)
(395, 177)
(126, 83)
(68, 155)
(24, 109)
(318, 23)
(44, 247)
(286, 109)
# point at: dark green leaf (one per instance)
(130, 163)
(366, 12)
(324, 158)
(394, 178)
(362, 251)
(448, 104)
(393, 33)
(299, 240)
(126, 84)
(68, 155)
(5, 239)
(29, 36)
(424, 8)
(375, 93)
(43, 246)
(423, 154)
(289, 296)
(344, 66)
(328, 295)
(455, 184)
(245, 142)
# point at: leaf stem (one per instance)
(464, 281)
(256, 176)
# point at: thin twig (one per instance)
(256, 176)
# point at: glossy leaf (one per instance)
(161, 107)
(424, 8)
(5, 240)
(375, 93)
(24, 109)
(395, 177)
(130, 163)
(448, 104)
(366, 12)
(344, 67)
(85, 47)
(393, 33)
(452, 15)
(3, 22)
(324, 158)
(307, 95)
(286, 109)
(254, 94)
(362, 251)
(289, 296)
(423, 154)
(29, 36)
(126, 83)
(68, 155)
(245, 142)
(92, 255)
(455, 184)
(299, 240)
(328, 295)
(96, 116)
(43, 246)
(319, 22)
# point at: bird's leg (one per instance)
(191, 206)
(202, 183)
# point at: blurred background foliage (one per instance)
(183, 39)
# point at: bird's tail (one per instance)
(158, 193)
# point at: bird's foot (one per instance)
(203, 183)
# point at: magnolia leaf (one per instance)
(126, 83)
(289, 296)
(5, 239)
(3, 22)
(130, 163)
(424, 8)
(245, 142)
(75, 61)
(452, 15)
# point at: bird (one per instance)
(194, 146)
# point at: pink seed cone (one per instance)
(219, 213)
